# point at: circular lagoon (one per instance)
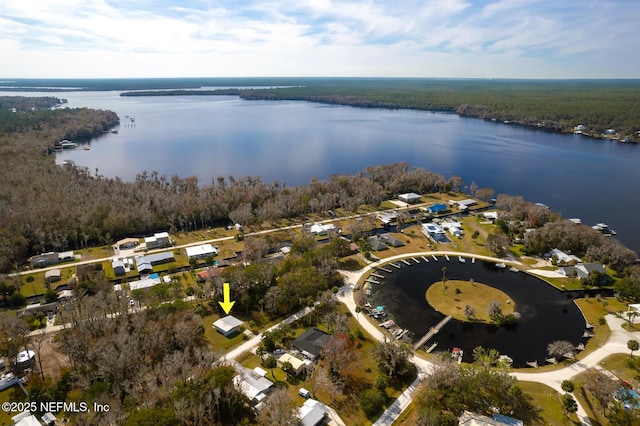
(546, 313)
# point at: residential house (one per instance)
(387, 217)
(583, 270)
(158, 240)
(410, 197)
(311, 342)
(201, 252)
(140, 284)
(297, 365)
(51, 258)
(208, 273)
(463, 204)
(312, 413)
(118, 267)
(376, 243)
(227, 325)
(562, 257)
(321, 229)
(254, 385)
(52, 275)
(391, 240)
(436, 208)
(145, 264)
(492, 216)
(126, 244)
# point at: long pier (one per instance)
(432, 332)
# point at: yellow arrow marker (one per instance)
(227, 304)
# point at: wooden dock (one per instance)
(385, 269)
(395, 265)
(405, 261)
(434, 257)
(373, 274)
(447, 257)
(432, 332)
(415, 260)
(425, 259)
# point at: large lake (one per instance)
(212, 136)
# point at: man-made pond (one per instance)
(547, 314)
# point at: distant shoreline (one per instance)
(600, 109)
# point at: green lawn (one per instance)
(547, 401)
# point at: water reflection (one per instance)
(547, 314)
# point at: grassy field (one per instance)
(548, 402)
(477, 295)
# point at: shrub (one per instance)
(372, 402)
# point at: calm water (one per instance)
(547, 314)
(211, 136)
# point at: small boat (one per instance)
(461, 259)
(512, 269)
(501, 265)
(114, 131)
(86, 148)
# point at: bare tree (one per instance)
(561, 348)
(279, 410)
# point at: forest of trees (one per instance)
(46, 207)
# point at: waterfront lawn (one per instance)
(477, 295)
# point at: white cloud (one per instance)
(436, 38)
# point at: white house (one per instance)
(463, 204)
(562, 257)
(312, 412)
(140, 284)
(201, 251)
(254, 386)
(456, 232)
(321, 229)
(492, 216)
(409, 197)
(227, 325)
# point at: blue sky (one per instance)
(375, 38)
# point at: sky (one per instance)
(320, 38)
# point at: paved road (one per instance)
(617, 342)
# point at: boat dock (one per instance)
(372, 281)
(425, 259)
(432, 347)
(385, 269)
(447, 257)
(373, 274)
(473, 260)
(434, 257)
(415, 260)
(432, 332)
(395, 265)
(406, 262)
